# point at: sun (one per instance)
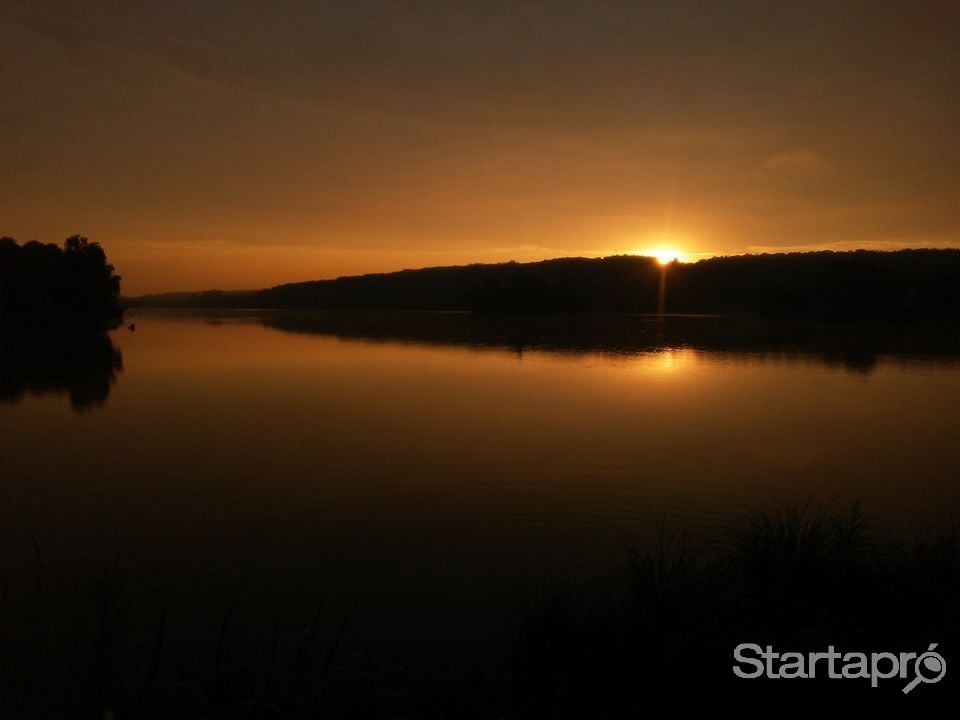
(663, 255)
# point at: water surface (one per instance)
(419, 469)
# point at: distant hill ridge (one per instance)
(904, 284)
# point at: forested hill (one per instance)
(907, 284)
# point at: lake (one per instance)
(418, 471)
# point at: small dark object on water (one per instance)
(131, 327)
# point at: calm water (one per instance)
(413, 468)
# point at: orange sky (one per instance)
(243, 144)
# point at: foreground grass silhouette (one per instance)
(661, 635)
(652, 640)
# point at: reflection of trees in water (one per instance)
(83, 365)
(857, 347)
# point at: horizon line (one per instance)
(705, 257)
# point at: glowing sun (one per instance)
(663, 255)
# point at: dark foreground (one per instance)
(654, 639)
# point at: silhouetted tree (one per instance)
(43, 283)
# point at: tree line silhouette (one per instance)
(55, 305)
(43, 283)
(859, 285)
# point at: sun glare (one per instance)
(663, 255)
(666, 256)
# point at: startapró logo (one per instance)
(754, 661)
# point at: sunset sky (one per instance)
(239, 144)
